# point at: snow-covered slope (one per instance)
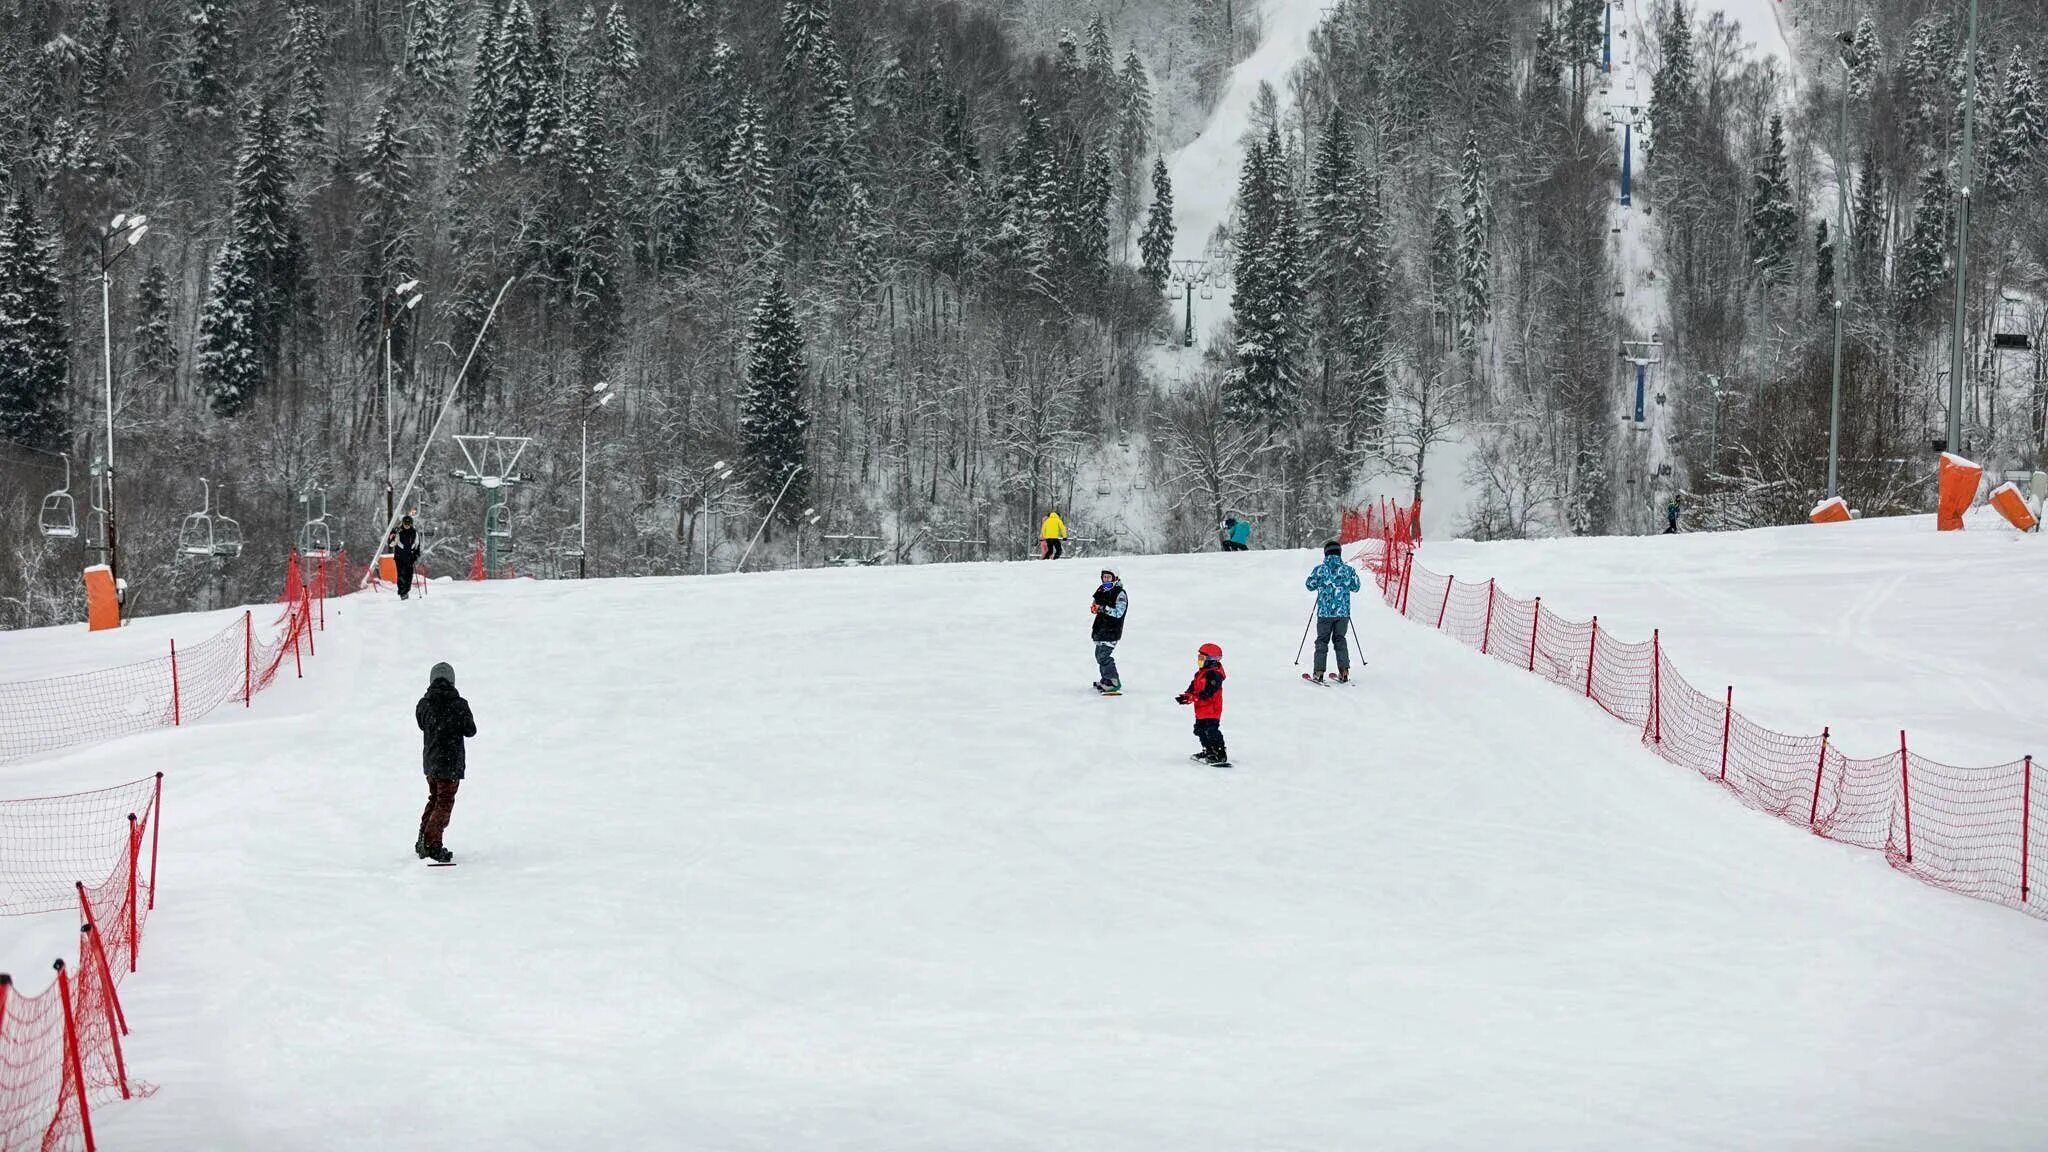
(853, 859)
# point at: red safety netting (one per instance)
(1969, 830)
(61, 1049)
(234, 664)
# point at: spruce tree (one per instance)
(1773, 221)
(1443, 270)
(384, 173)
(306, 85)
(1475, 246)
(1267, 291)
(1823, 267)
(480, 134)
(1865, 57)
(232, 361)
(258, 280)
(1332, 233)
(1156, 246)
(1133, 137)
(1867, 219)
(621, 48)
(209, 55)
(156, 343)
(430, 45)
(1674, 89)
(1923, 258)
(746, 185)
(772, 416)
(35, 349)
(519, 81)
(2016, 139)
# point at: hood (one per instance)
(442, 672)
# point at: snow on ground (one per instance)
(37, 653)
(1868, 627)
(853, 859)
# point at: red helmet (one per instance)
(1209, 652)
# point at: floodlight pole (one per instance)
(129, 229)
(1842, 247)
(1958, 361)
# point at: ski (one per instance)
(440, 863)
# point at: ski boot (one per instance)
(442, 856)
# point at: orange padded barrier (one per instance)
(102, 604)
(2013, 506)
(1959, 479)
(1831, 511)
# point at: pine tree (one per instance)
(1091, 238)
(1674, 89)
(480, 135)
(1867, 220)
(621, 48)
(1267, 293)
(772, 416)
(519, 82)
(1923, 258)
(1865, 57)
(430, 45)
(549, 111)
(821, 177)
(35, 349)
(384, 173)
(1774, 222)
(2015, 151)
(675, 222)
(1475, 246)
(746, 185)
(1443, 271)
(1133, 137)
(306, 85)
(156, 344)
(103, 69)
(1156, 246)
(209, 54)
(806, 40)
(232, 360)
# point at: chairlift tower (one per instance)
(1642, 354)
(491, 462)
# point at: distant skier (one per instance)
(405, 552)
(1111, 603)
(445, 722)
(1237, 535)
(1333, 582)
(1205, 692)
(1053, 536)
(1671, 517)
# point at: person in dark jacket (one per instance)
(1671, 517)
(1205, 692)
(1109, 607)
(405, 552)
(445, 722)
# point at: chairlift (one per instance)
(1208, 291)
(498, 521)
(59, 516)
(316, 536)
(1102, 488)
(209, 533)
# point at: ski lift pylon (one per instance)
(58, 518)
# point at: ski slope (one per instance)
(853, 859)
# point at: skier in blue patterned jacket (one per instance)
(1333, 582)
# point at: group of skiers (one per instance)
(1234, 534)
(1333, 581)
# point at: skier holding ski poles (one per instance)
(1333, 582)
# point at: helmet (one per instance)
(1333, 548)
(1108, 577)
(1210, 652)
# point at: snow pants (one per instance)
(1210, 733)
(1051, 547)
(440, 809)
(1330, 630)
(1105, 661)
(404, 578)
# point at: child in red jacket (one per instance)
(1205, 692)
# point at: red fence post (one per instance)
(1819, 767)
(1592, 650)
(175, 717)
(248, 659)
(1656, 688)
(134, 917)
(156, 819)
(1727, 719)
(2026, 814)
(1446, 605)
(1535, 618)
(117, 1021)
(307, 602)
(1486, 634)
(298, 657)
(1906, 794)
(6, 983)
(74, 1068)
(1407, 578)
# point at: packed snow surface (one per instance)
(856, 860)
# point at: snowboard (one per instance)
(1107, 692)
(440, 863)
(1198, 758)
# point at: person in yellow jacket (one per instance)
(1053, 537)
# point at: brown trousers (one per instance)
(440, 808)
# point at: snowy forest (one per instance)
(903, 273)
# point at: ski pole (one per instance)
(1301, 647)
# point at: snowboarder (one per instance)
(445, 722)
(1333, 582)
(1053, 536)
(1205, 692)
(1671, 517)
(1108, 609)
(404, 547)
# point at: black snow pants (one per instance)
(1330, 630)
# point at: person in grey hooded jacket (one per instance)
(445, 722)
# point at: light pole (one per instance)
(408, 296)
(1957, 362)
(126, 231)
(793, 470)
(583, 481)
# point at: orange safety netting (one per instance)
(61, 1048)
(1969, 830)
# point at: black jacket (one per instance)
(1111, 604)
(406, 547)
(444, 721)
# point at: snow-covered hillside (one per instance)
(854, 859)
